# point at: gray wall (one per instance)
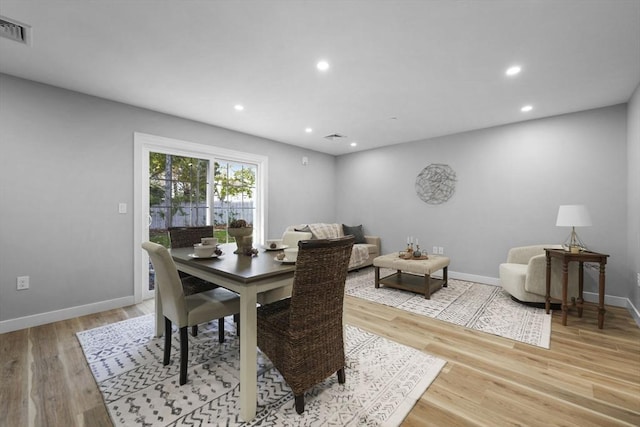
(633, 195)
(510, 182)
(67, 161)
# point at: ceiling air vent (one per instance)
(14, 30)
(334, 137)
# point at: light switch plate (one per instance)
(122, 208)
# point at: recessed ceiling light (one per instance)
(322, 65)
(526, 108)
(238, 107)
(308, 130)
(353, 144)
(512, 71)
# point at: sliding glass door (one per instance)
(181, 184)
(233, 195)
(178, 194)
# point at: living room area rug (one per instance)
(485, 308)
(384, 379)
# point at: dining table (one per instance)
(247, 276)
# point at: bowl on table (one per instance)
(203, 251)
(209, 241)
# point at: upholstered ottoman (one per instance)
(417, 273)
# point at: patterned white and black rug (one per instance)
(476, 306)
(384, 379)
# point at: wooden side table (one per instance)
(581, 257)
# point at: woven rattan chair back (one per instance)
(318, 285)
(183, 237)
(303, 335)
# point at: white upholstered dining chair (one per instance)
(189, 310)
(186, 237)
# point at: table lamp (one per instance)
(573, 216)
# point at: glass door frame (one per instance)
(144, 144)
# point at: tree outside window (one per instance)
(180, 194)
(233, 193)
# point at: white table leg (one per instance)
(248, 358)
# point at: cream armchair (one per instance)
(524, 275)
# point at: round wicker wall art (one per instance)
(436, 183)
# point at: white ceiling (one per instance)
(400, 70)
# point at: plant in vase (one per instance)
(242, 232)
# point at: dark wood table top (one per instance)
(241, 268)
(584, 256)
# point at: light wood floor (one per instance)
(589, 377)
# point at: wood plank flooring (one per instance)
(589, 377)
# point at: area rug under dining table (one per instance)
(384, 379)
(477, 306)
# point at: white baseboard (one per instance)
(64, 314)
(69, 313)
(616, 302)
(634, 312)
(608, 299)
(474, 278)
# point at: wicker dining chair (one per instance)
(186, 310)
(303, 335)
(184, 237)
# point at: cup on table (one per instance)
(209, 241)
(291, 254)
(201, 250)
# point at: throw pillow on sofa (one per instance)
(356, 231)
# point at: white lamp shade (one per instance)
(573, 216)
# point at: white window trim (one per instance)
(143, 145)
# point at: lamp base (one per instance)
(573, 243)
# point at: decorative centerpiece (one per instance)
(411, 253)
(417, 253)
(243, 234)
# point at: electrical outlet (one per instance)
(440, 250)
(435, 250)
(22, 283)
